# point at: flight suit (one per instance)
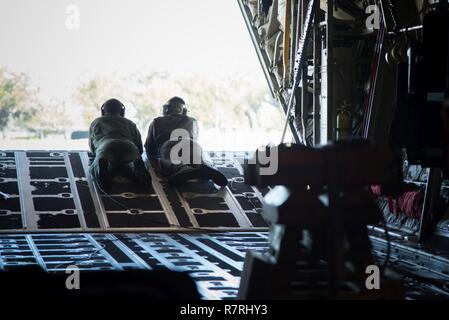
(158, 143)
(158, 146)
(117, 140)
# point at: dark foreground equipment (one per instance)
(132, 286)
(319, 210)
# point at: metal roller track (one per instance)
(57, 195)
(214, 261)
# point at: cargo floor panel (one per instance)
(49, 187)
(214, 261)
(52, 191)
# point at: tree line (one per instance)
(237, 101)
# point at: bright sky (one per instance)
(123, 36)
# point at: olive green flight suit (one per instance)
(159, 146)
(117, 140)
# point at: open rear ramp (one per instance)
(51, 191)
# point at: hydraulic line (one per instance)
(286, 46)
(299, 64)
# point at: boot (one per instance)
(213, 174)
(183, 175)
(201, 172)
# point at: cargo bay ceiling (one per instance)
(324, 62)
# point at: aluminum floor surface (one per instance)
(52, 192)
(214, 261)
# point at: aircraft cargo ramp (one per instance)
(51, 191)
(57, 217)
